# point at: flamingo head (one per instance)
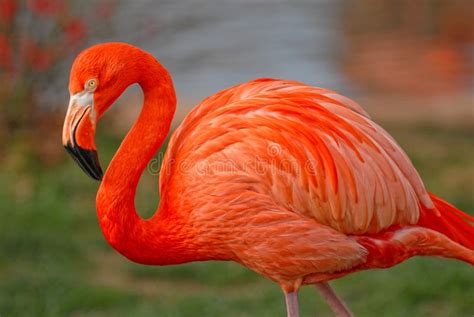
(98, 77)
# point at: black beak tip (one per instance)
(88, 160)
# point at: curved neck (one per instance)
(144, 241)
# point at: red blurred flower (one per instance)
(36, 57)
(7, 10)
(46, 7)
(6, 53)
(41, 59)
(75, 31)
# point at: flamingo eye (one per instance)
(91, 85)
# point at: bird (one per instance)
(294, 182)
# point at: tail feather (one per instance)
(441, 231)
(450, 221)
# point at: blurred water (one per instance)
(210, 45)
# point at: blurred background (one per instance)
(408, 63)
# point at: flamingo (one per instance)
(294, 182)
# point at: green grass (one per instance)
(55, 262)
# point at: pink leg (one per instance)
(338, 307)
(292, 304)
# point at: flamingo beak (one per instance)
(79, 132)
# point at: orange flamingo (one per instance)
(292, 181)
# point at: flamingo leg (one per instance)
(292, 308)
(337, 305)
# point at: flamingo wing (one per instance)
(313, 151)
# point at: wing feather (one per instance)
(313, 151)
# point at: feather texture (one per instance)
(312, 151)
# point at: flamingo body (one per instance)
(287, 177)
(292, 181)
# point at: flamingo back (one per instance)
(312, 151)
